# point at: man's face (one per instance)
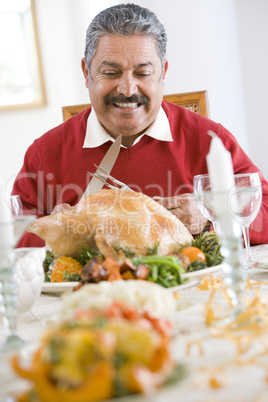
(125, 83)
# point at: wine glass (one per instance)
(201, 184)
(230, 235)
(11, 230)
(244, 203)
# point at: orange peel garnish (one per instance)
(209, 282)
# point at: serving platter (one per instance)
(64, 287)
(261, 264)
(58, 287)
(189, 283)
(202, 272)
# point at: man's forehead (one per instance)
(116, 50)
(134, 43)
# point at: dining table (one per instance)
(220, 361)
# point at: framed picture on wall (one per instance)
(21, 78)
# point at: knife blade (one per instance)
(107, 164)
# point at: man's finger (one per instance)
(169, 202)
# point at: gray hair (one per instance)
(125, 19)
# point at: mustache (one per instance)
(120, 98)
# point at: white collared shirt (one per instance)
(96, 134)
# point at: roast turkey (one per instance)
(109, 220)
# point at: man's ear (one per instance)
(85, 71)
(165, 69)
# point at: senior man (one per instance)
(163, 145)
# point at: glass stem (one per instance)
(230, 248)
(245, 231)
(9, 300)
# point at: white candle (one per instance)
(220, 169)
(7, 238)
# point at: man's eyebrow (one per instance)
(144, 64)
(110, 64)
(117, 65)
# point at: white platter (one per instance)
(262, 263)
(202, 272)
(188, 284)
(64, 287)
(58, 287)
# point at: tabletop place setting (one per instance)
(152, 322)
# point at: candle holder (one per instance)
(230, 235)
(8, 290)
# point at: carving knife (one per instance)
(107, 164)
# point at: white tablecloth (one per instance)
(215, 364)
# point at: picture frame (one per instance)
(21, 76)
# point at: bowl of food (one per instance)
(100, 355)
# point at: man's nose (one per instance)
(127, 84)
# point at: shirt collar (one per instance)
(96, 135)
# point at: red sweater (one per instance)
(56, 164)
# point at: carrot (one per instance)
(64, 268)
(21, 371)
(120, 310)
(99, 385)
(164, 327)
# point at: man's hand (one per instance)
(185, 207)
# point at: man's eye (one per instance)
(144, 74)
(110, 73)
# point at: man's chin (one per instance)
(128, 133)
(128, 128)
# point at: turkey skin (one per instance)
(110, 220)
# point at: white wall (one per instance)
(62, 28)
(252, 28)
(203, 54)
(210, 46)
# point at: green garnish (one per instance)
(48, 260)
(87, 254)
(119, 359)
(72, 277)
(128, 253)
(47, 277)
(177, 374)
(154, 250)
(213, 259)
(196, 266)
(164, 270)
(99, 322)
